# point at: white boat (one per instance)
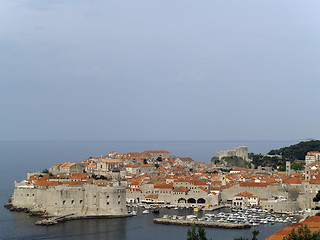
(145, 212)
(134, 213)
(189, 217)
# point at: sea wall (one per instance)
(84, 200)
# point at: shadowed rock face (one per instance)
(293, 195)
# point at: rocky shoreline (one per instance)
(52, 220)
(31, 212)
(202, 223)
(57, 219)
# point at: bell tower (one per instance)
(307, 173)
(288, 168)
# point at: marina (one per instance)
(228, 218)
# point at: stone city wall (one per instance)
(86, 200)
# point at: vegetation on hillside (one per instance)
(230, 162)
(280, 156)
(266, 161)
(193, 234)
(297, 151)
(275, 158)
(255, 233)
(303, 233)
(274, 162)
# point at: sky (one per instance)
(159, 70)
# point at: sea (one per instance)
(20, 157)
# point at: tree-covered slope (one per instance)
(297, 151)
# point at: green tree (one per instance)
(317, 197)
(193, 234)
(215, 160)
(303, 233)
(255, 233)
(297, 166)
(297, 151)
(45, 171)
(202, 233)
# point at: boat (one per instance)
(197, 209)
(155, 209)
(134, 213)
(145, 212)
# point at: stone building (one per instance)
(185, 162)
(82, 199)
(195, 194)
(68, 168)
(241, 151)
(312, 157)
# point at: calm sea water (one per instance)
(18, 158)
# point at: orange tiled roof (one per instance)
(204, 189)
(152, 196)
(243, 194)
(181, 189)
(253, 184)
(313, 223)
(293, 180)
(164, 185)
(41, 183)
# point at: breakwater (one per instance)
(60, 219)
(202, 223)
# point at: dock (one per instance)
(213, 208)
(54, 220)
(59, 219)
(202, 223)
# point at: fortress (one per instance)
(83, 200)
(241, 151)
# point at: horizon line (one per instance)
(167, 140)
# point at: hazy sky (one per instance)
(159, 70)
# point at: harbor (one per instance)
(220, 216)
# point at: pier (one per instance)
(59, 219)
(202, 223)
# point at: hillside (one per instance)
(297, 151)
(230, 162)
